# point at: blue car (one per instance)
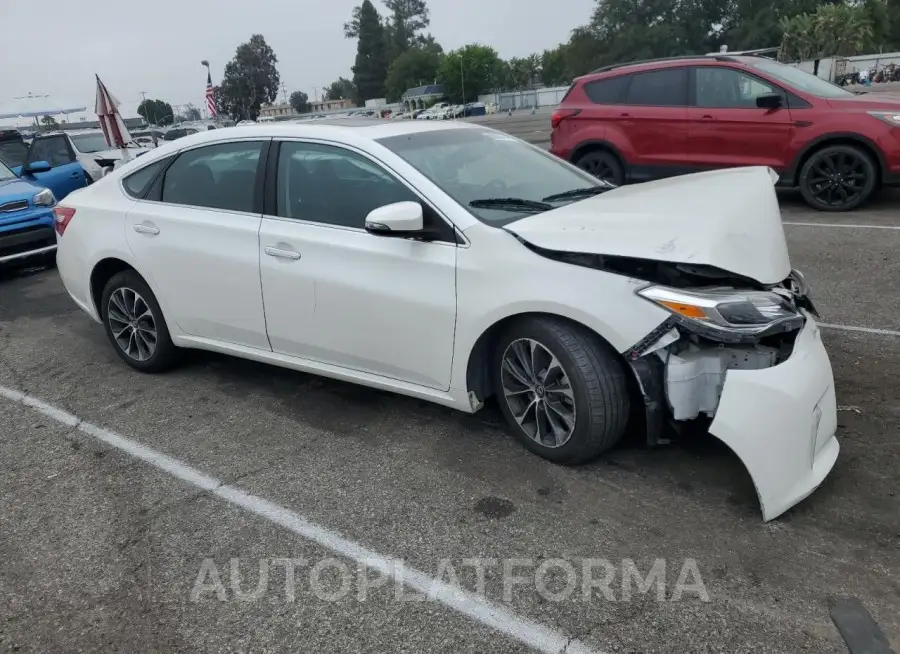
(28, 192)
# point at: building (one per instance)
(319, 106)
(422, 96)
(277, 110)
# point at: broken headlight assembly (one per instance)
(725, 314)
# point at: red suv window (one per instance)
(607, 91)
(658, 88)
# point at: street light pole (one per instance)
(462, 77)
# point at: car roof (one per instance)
(670, 62)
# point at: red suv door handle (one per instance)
(624, 115)
(707, 117)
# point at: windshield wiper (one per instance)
(578, 193)
(510, 204)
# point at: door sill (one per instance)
(327, 370)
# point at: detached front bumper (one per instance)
(781, 423)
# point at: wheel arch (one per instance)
(479, 376)
(102, 272)
(599, 144)
(839, 138)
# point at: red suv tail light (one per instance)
(62, 216)
(560, 114)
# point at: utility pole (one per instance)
(462, 77)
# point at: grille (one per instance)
(15, 205)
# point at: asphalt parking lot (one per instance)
(104, 550)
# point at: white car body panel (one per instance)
(383, 306)
(406, 316)
(724, 218)
(781, 423)
(209, 294)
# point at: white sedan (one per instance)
(454, 263)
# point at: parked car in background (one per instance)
(646, 120)
(88, 146)
(481, 266)
(27, 231)
(55, 167)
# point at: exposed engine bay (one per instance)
(719, 321)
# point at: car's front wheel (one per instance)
(838, 178)
(561, 389)
(135, 325)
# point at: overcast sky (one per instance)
(156, 45)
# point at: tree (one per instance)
(191, 113)
(553, 67)
(250, 80)
(415, 67)
(407, 18)
(839, 29)
(340, 89)
(525, 71)
(49, 122)
(156, 112)
(466, 72)
(300, 102)
(370, 68)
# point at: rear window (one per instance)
(658, 88)
(13, 152)
(607, 91)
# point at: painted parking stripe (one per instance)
(535, 635)
(844, 225)
(864, 330)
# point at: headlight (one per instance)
(43, 199)
(890, 117)
(727, 314)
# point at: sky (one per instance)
(157, 46)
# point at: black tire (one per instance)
(838, 178)
(602, 164)
(165, 355)
(597, 380)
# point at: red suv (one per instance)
(646, 120)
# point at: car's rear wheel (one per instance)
(562, 391)
(135, 325)
(838, 178)
(602, 165)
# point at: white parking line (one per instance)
(497, 617)
(864, 330)
(844, 225)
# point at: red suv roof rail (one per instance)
(604, 69)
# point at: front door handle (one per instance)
(146, 229)
(282, 254)
(707, 117)
(75, 175)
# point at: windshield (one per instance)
(13, 152)
(5, 173)
(89, 142)
(801, 80)
(481, 164)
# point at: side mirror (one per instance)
(769, 101)
(36, 167)
(397, 219)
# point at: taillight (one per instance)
(62, 216)
(561, 114)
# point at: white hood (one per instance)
(724, 218)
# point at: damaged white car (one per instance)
(454, 263)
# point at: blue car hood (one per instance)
(17, 189)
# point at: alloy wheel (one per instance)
(837, 179)
(132, 324)
(538, 392)
(599, 168)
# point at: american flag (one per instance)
(210, 95)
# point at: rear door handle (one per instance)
(707, 117)
(146, 229)
(282, 254)
(75, 175)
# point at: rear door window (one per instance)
(607, 91)
(659, 88)
(136, 184)
(13, 150)
(220, 176)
